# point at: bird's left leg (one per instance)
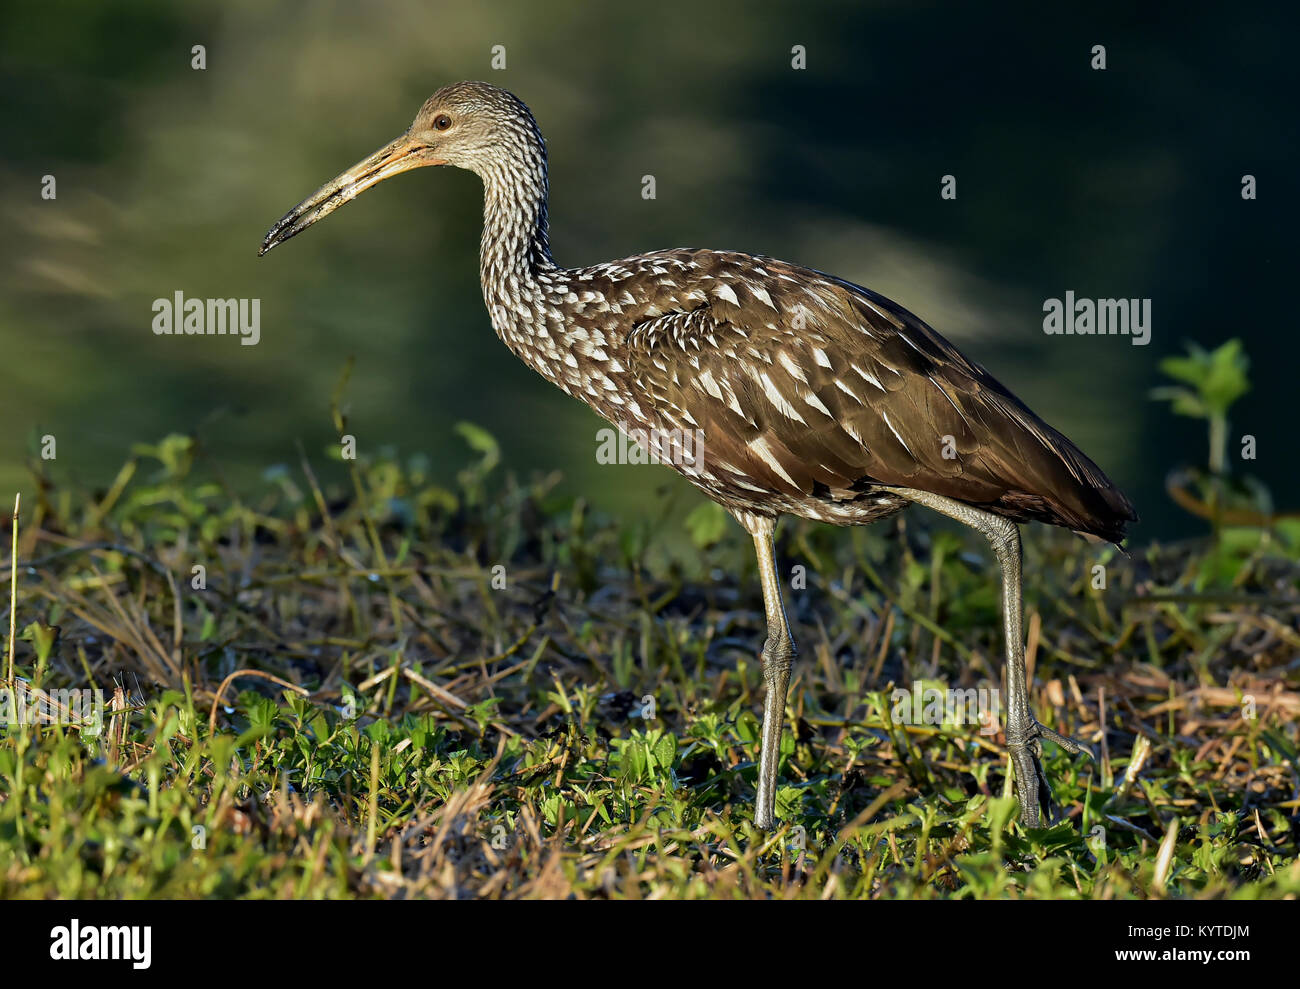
(1024, 732)
(778, 656)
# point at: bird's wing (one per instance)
(809, 386)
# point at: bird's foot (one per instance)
(1026, 749)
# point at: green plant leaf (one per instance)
(481, 441)
(706, 523)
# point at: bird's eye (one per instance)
(441, 122)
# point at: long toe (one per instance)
(1064, 741)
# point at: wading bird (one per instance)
(813, 396)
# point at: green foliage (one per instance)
(1239, 508)
(174, 452)
(441, 736)
(644, 757)
(1217, 379)
(707, 523)
(484, 443)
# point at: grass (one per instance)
(381, 688)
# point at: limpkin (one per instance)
(813, 396)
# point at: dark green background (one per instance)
(1117, 183)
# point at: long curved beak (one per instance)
(400, 156)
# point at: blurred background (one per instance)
(1117, 183)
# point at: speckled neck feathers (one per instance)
(515, 254)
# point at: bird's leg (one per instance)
(778, 655)
(1022, 741)
(1024, 733)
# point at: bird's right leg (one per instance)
(778, 655)
(1024, 732)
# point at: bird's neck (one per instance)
(515, 249)
(520, 278)
(515, 230)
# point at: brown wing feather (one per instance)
(809, 387)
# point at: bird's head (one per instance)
(471, 125)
